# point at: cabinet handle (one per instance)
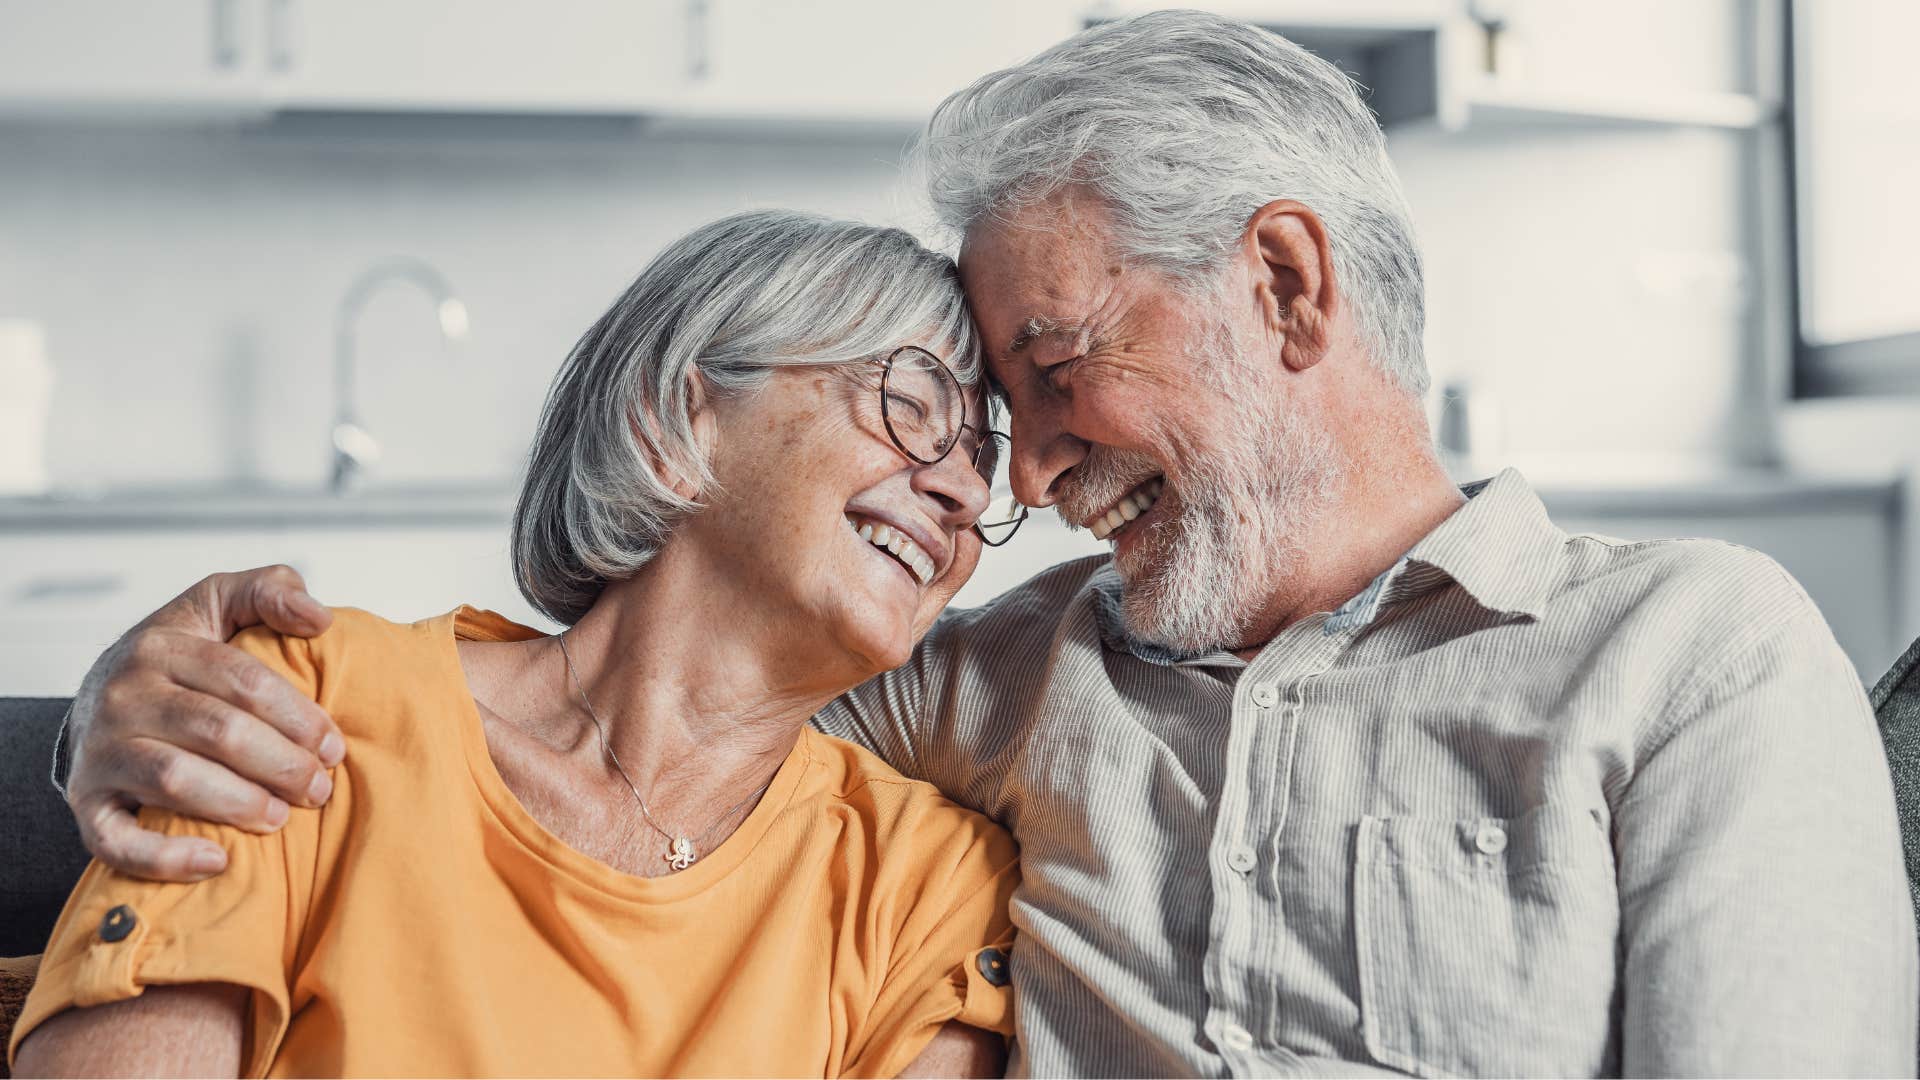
(280, 34)
(226, 34)
(699, 39)
(76, 587)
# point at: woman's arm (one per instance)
(195, 1030)
(961, 1050)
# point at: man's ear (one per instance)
(1294, 278)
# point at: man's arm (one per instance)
(167, 1031)
(172, 717)
(1766, 926)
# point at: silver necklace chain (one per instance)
(681, 852)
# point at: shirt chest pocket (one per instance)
(1486, 946)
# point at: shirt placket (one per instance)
(1247, 929)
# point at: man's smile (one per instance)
(1129, 508)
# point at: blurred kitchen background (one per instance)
(1669, 250)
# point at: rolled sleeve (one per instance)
(119, 935)
(1766, 927)
(951, 956)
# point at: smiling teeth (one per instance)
(1127, 509)
(895, 543)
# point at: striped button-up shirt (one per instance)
(1530, 804)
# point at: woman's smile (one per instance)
(911, 550)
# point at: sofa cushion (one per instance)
(40, 852)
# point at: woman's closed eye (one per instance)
(905, 409)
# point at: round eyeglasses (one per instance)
(924, 409)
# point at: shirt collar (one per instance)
(1500, 547)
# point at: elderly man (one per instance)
(1333, 766)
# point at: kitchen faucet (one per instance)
(354, 447)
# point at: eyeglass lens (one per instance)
(923, 405)
(925, 412)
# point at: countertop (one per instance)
(247, 506)
(1569, 488)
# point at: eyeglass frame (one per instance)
(986, 435)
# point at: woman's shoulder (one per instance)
(361, 661)
(897, 809)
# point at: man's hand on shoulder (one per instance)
(172, 716)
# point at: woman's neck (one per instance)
(700, 697)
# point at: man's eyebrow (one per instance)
(1036, 327)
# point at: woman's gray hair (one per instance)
(725, 304)
(1184, 124)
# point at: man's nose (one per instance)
(1043, 453)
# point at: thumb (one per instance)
(274, 595)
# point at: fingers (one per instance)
(164, 775)
(113, 834)
(232, 676)
(237, 741)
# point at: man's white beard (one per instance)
(1235, 531)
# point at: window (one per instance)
(1854, 111)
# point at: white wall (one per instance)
(187, 279)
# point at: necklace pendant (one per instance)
(680, 855)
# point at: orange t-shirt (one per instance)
(423, 923)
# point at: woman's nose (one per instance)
(956, 487)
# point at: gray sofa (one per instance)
(40, 852)
(41, 856)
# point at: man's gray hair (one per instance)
(1184, 124)
(726, 304)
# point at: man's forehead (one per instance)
(1018, 301)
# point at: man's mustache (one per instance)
(1099, 482)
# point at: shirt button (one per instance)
(993, 966)
(1237, 1038)
(1491, 839)
(1265, 696)
(118, 924)
(1242, 859)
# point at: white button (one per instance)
(1491, 839)
(1242, 858)
(1237, 1037)
(1265, 696)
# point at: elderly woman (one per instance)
(620, 849)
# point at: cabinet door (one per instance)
(65, 596)
(406, 573)
(116, 54)
(446, 55)
(860, 59)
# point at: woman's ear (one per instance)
(706, 431)
(683, 478)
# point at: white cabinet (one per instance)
(577, 56)
(66, 595)
(130, 55)
(855, 60)
(679, 60)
